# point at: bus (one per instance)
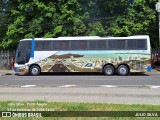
(109, 55)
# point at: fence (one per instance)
(5, 59)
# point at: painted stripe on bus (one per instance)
(32, 50)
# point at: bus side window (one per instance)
(74, 45)
(56, 45)
(47, 45)
(82, 44)
(93, 44)
(38, 45)
(121, 44)
(102, 44)
(112, 44)
(78, 45)
(131, 44)
(141, 44)
(64, 45)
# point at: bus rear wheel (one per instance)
(35, 70)
(123, 70)
(108, 70)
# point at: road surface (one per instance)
(134, 89)
(80, 80)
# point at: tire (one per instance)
(35, 70)
(108, 70)
(123, 70)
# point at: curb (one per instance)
(8, 73)
(3, 74)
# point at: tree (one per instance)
(5, 7)
(102, 13)
(45, 19)
(36, 18)
(140, 19)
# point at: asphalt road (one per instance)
(134, 89)
(92, 95)
(81, 80)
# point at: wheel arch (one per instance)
(34, 65)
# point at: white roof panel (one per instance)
(90, 38)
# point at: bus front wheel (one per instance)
(108, 70)
(123, 70)
(35, 70)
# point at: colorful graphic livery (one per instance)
(109, 55)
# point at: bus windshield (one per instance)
(24, 45)
(23, 52)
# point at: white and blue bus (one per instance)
(110, 55)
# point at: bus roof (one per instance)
(90, 38)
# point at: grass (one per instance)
(64, 106)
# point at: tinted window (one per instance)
(131, 44)
(64, 45)
(93, 44)
(47, 45)
(102, 44)
(60, 45)
(24, 45)
(42, 45)
(56, 45)
(38, 45)
(21, 58)
(112, 44)
(141, 44)
(81, 44)
(136, 44)
(121, 44)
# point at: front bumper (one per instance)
(21, 70)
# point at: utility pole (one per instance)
(158, 10)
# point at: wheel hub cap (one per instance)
(34, 70)
(108, 70)
(123, 71)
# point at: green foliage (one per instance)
(140, 19)
(96, 29)
(44, 19)
(26, 19)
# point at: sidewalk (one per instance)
(6, 72)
